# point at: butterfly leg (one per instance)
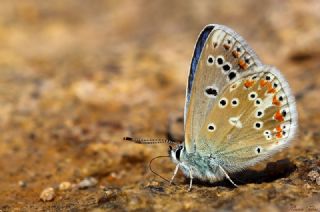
(227, 176)
(191, 178)
(175, 173)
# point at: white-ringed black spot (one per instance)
(252, 95)
(234, 102)
(257, 102)
(223, 102)
(220, 60)
(211, 91)
(280, 98)
(258, 125)
(226, 67)
(259, 113)
(247, 60)
(275, 85)
(211, 127)
(210, 60)
(267, 132)
(284, 113)
(232, 75)
(268, 78)
(258, 150)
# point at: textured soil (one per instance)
(77, 76)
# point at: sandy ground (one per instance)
(77, 76)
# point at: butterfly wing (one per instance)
(259, 118)
(221, 56)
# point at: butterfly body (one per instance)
(203, 167)
(238, 111)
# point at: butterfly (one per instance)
(237, 113)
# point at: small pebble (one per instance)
(87, 183)
(318, 181)
(47, 194)
(64, 186)
(22, 184)
(313, 175)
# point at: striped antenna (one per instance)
(149, 141)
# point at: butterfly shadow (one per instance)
(273, 171)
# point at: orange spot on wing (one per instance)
(248, 83)
(275, 101)
(278, 128)
(235, 54)
(263, 83)
(270, 88)
(278, 116)
(243, 64)
(279, 135)
(226, 46)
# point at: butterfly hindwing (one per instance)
(221, 57)
(259, 118)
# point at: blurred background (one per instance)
(77, 76)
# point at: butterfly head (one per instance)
(176, 154)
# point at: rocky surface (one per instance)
(75, 77)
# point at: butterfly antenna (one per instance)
(149, 141)
(150, 167)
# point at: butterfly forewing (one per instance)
(225, 57)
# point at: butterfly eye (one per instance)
(211, 127)
(234, 102)
(258, 125)
(220, 61)
(210, 60)
(252, 96)
(178, 152)
(223, 102)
